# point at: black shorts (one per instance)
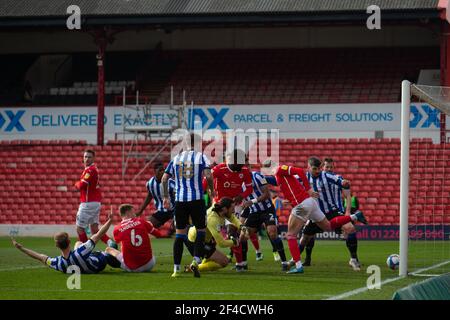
(256, 219)
(311, 228)
(245, 213)
(163, 217)
(209, 249)
(196, 210)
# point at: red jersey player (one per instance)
(302, 198)
(230, 176)
(90, 198)
(134, 235)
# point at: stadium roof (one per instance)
(52, 12)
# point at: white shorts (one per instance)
(88, 213)
(145, 268)
(308, 210)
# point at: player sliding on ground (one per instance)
(83, 255)
(133, 233)
(217, 215)
(302, 198)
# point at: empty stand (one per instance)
(40, 177)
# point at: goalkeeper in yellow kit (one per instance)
(217, 215)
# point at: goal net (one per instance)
(424, 181)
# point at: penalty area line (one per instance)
(364, 289)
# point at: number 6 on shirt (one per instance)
(136, 240)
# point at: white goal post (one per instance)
(439, 98)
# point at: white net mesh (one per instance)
(429, 197)
(438, 97)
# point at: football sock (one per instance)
(352, 245)
(82, 237)
(238, 253)
(274, 247)
(255, 241)
(309, 247)
(189, 245)
(199, 244)
(244, 244)
(209, 266)
(293, 247)
(301, 247)
(280, 248)
(178, 248)
(339, 221)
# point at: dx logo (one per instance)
(424, 117)
(14, 120)
(214, 119)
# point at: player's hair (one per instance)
(314, 162)
(158, 166)
(90, 151)
(238, 156)
(124, 208)
(193, 140)
(223, 203)
(329, 160)
(61, 240)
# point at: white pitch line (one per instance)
(363, 289)
(21, 268)
(256, 294)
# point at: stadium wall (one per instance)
(305, 121)
(38, 230)
(381, 232)
(222, 38)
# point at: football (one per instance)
(393, 261)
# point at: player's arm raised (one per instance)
(33, 254)
(96, 237)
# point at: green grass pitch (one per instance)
(24, 278)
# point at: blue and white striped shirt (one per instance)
(325, 184)
(186, 169)
(83, 257)
(337, 191)
(258, 182)
(156, 189)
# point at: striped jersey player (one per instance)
(187, 169)
(82, 256)
(155, 191)
(260, 211)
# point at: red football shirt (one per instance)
(228, 183)
(89, 185)
(135, 241)
(292, 189)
